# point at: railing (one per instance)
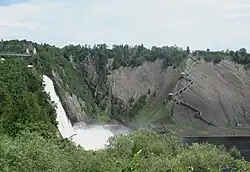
(15, 54)
(197, 113)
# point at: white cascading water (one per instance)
(92, 137)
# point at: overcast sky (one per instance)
(201, 24)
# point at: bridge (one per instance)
(241, 142)
(27, 54)
(15, 54)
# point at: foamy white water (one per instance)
(92, 137)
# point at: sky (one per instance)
(200, 24)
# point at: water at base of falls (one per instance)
(92, 137)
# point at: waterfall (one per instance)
(64, 125)
(91, 137)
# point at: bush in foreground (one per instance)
(139, 151)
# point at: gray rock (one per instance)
(73, 106)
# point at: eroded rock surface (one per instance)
(220, 92)
(73, 106)
(134, 82)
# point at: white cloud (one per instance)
(217, 24)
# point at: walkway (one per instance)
(15, 54)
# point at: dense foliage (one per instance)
(240, 56)
(28, 139)
(52, 58)
(23, 103)
(124, 55)
(136, 152)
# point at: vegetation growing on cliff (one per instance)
(93, 87)
(84, 70)
(28, 140)
(52, 58)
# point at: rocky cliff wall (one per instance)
(219, 92)
(73, 106)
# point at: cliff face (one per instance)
(73, 106)
(214, 99)
(220, 93)
(209, 99)
(149, 77)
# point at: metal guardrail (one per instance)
(13, 54)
